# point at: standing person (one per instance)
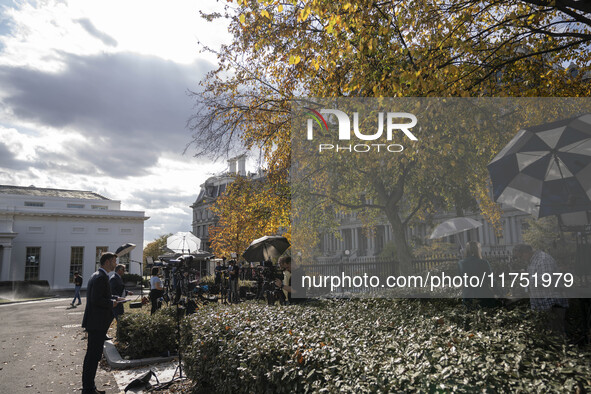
(118, 289)
(98, 316)
(77, 287)
(218, 273)
(156, 289)
(285, 265)
(474, 265)
(293, 296)
(233, 273)
(543, 299)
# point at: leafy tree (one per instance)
(247, 210)
(366, 48)
(544, 234)
(451, 150)
(155, 248)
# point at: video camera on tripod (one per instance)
(186, 263)
(269, 273)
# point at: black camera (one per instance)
(184, 262)
(269, 273)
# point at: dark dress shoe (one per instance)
(95, 391)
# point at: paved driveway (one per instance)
(42, 348)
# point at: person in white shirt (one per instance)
(156, 290)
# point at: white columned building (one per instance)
(47, 234)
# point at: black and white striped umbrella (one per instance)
(266, 248)
(546, 170)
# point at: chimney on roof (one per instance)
(242, 165)
(232, 165)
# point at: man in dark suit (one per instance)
(98, 316)
(118, 289)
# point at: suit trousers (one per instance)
(555, 321)
(155, 295)
(234, 295)
(94, 352)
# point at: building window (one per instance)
(103, 207)
(32, 263)
(76, 261)
(34, 204)
(78, 206)
(99, 252)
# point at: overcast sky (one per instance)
(93, 96)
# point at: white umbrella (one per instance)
(454, 226)
(184, 242)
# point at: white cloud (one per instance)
(41, 32)
(28, 147)
(94, 97)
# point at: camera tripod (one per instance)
(224, 289)
(180, 310)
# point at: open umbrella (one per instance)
(266, 248)
(546, 170)
(184, 242)
(124, 249)
(454, 226)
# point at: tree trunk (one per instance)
(402, 249)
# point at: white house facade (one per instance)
(48, 234)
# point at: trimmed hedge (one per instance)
(375, 346)
(141, 335)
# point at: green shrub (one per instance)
(375, 345)
(141, 335)
(207, 280)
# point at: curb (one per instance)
(29, 300)
(115, 361)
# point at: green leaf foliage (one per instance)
(365, 346)
(141, 335)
